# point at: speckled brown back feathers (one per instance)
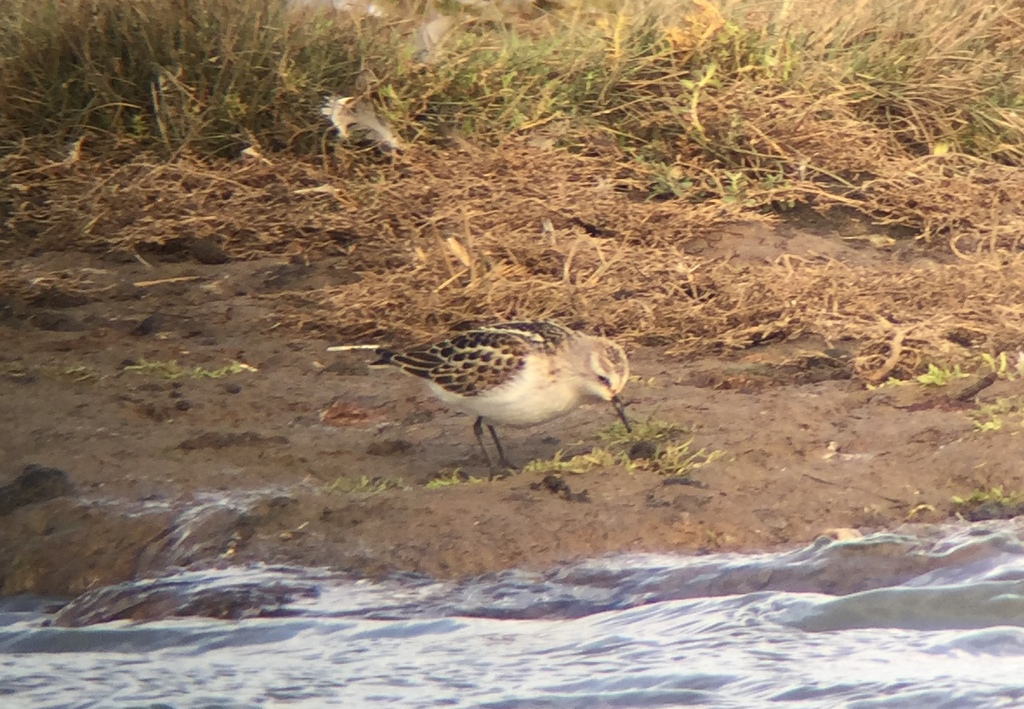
(468, 363)
(544, 335)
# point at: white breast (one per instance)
(537, 394)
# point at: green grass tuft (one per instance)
(647, 430)
(170, 369)
(452, 477)
(1004, 412)
(365, 485)
(577, 464)
(990, 503)
(665, 457)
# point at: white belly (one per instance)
(535, 396)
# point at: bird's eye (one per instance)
(604, 380)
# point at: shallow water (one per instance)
(887, 621)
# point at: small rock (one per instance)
(183, 404)
(232, 388)
(556, 485)
(208, 251)
(645, 450)
(150, 325)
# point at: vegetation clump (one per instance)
(651, 445)
(991, 503)
(447, 478)
(170, 369)
(366, 485)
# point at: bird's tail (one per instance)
(384, 355)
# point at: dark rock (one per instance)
(183, 404)
(645, 450)
(37, 483)
(208, 251)
(150, 325)
(556, 485)
(232, 388)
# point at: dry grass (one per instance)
(451, 236)
(571, 164)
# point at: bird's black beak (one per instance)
(621, 411)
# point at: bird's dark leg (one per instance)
(478, 431)
(502, 460)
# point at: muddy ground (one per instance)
(311, 458)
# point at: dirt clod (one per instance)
(35, 484)
(557, 485)
(643, 450)
(208, 251)
(150, 325)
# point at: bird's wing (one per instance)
(545, 334)
(468, 363)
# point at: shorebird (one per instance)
(519, 374)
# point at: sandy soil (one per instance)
(247, 467)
